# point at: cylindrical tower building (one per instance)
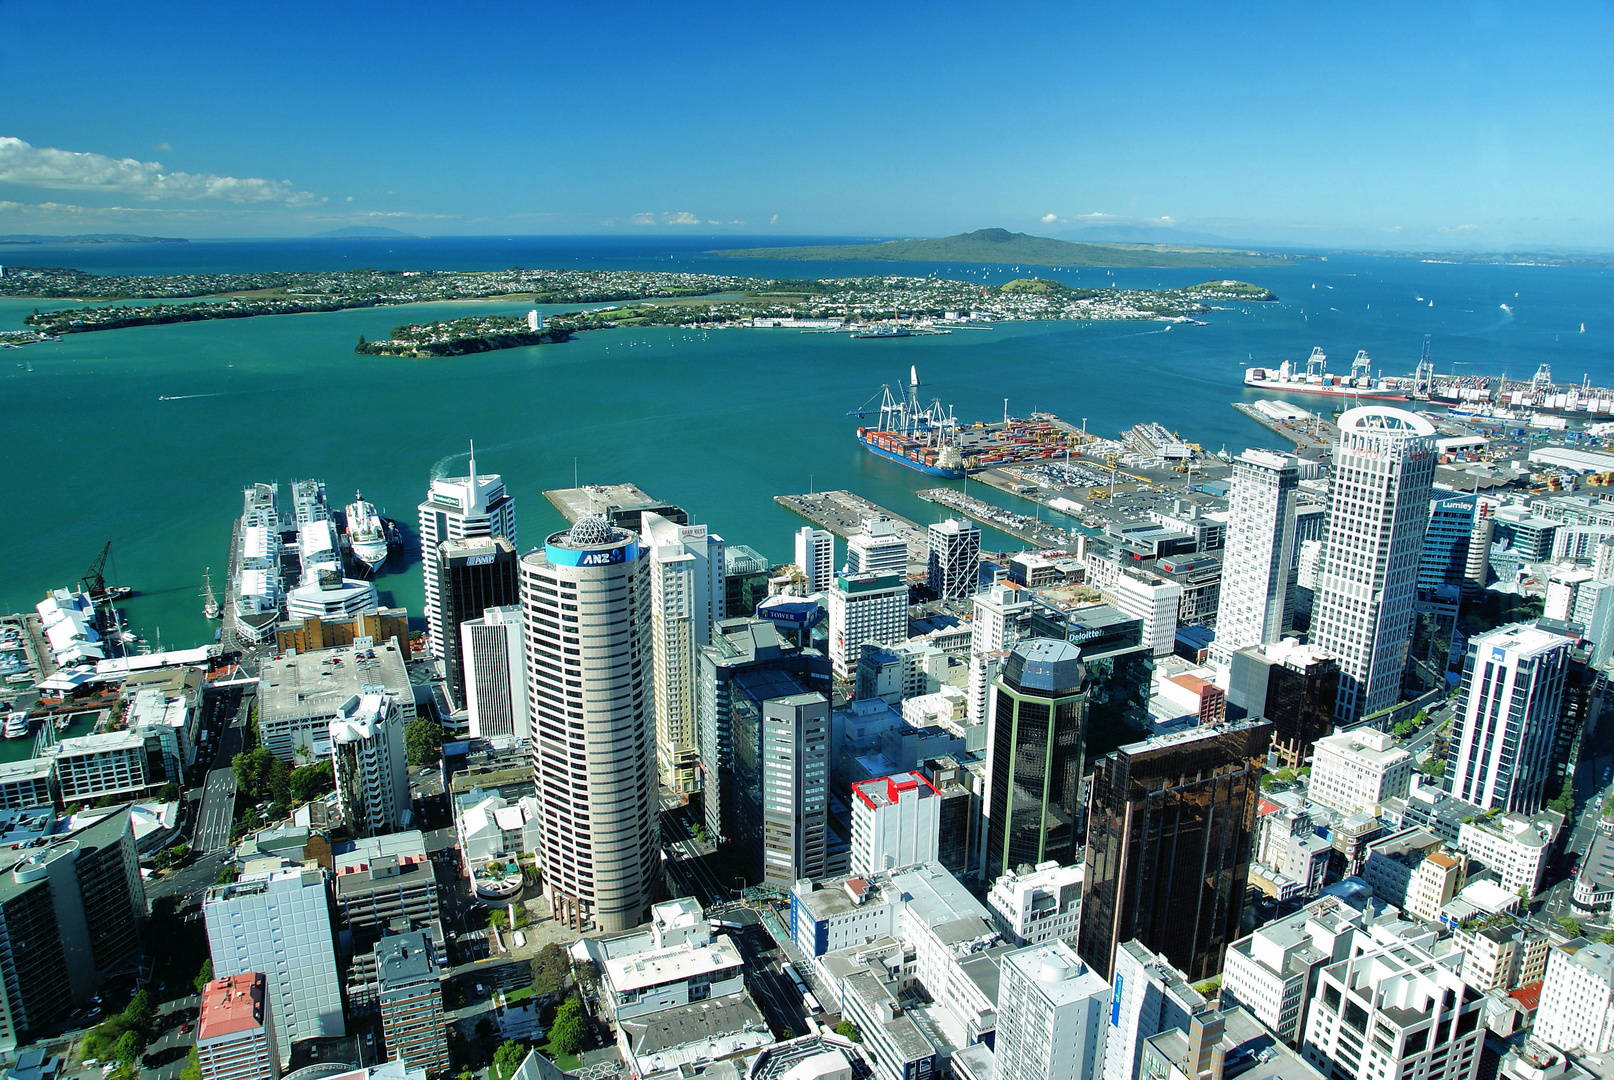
(585, 615)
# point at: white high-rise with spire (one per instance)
(455, 508)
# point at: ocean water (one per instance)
(718, 422)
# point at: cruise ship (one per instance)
(1289, 378)
(923, 439)
(366, 536)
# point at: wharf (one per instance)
(1307, 432)
(227, 635)
(842, 513)
(1039, 534)
(621, 504)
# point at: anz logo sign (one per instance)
(564, 556)
(602, 558)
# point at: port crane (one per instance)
(94, 580)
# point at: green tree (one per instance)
(1569, 926)
(311, 781)
(193, 1067)
(126, 1051)
(170, 792)
(507, 1059)
(569, 1031)
(423, 741)
(498, 919)
(848, 1030)
(204, 976)
(587, 974)
(140, 1011)
(549, 970)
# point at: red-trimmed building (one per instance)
(896, 821)
(234, 1031)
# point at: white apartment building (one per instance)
(1577, 998)
(1038, 907)
(1272, 972)
(496, 676)
(1147, 996)
(999, 617)
(864, 609)
(1410, 870)
(1393, 1013)
(455, 508)
(647, 982)
(1051, 1015)
(1289, 853)
(1140, 594)
(1512, 695)
(370, 766)
(92, 766)
(1513, 846)
(877, 550)
(1353, 770)
(896, 821)
(1384, 465)
(954, 564)
(1502, 957)
(686, 597)
(490, 827)
(895, 673)
(1258, 561)
(279, 923)
(600, 852)
(815, 555)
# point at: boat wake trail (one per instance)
(188, 397)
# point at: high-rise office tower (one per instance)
(279, 922)
(745, 580)
(369, 764)
(1293, 685)
(815, 554)
(954, 558)
(1001, 615)
(864, 609)
(877, 549)
(794, 762)
(741, 647)
(456, 508)
(1500, 751)
(496, 675)
(1260, 556)
(1444, 559)
(1052, 1010)
(473, 574)
(1384, 464)
(1169, 834)
(686, 597)
(586, 604)
(1034, 744)
(235, 1037)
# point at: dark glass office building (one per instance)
(1034, 756)
(1445, 544)
(1292, 685)
(1168, 845)
(1120, 666)
(473, 574)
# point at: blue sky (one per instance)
(1393, 125)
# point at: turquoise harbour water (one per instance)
(717, 422)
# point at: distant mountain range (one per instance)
(1002, 246)
(90, 238)
(360, 232)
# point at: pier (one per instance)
(842, 513)
(1034, 531)
(621, 504)
(1307, 431)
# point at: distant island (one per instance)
(90, 238)
(365, 232)
(1002, 246)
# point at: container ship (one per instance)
(923, 439)
(1316, 380)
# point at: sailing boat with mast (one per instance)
(210, 601)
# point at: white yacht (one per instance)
(366, 535)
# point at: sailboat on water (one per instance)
(210, 601)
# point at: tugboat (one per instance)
(210, 602)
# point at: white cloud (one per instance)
(714, 223)
(774, 220)
(162, 147)
(683, 217)
(1458, 228)
(1049, 219)
(645, 218)
(70, 170)
(736, 222)
(348, 199)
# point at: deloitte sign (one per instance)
(565, 556)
